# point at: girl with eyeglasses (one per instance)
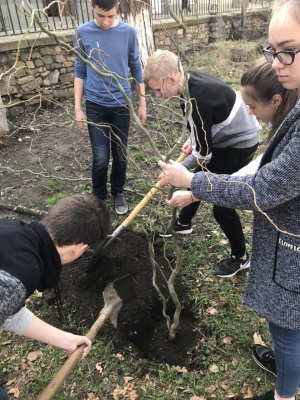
(273, 193)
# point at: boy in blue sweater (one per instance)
(111, 46)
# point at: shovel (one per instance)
(103, 245)
(115, 294)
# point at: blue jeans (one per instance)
(108, 129)
(287, 357)
(3, 395)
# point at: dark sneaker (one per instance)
(121, 205)
(232, 266)
(267, 396)
(264, 357)
(178, 228)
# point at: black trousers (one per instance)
(224, 161)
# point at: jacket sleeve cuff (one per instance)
(19, 322)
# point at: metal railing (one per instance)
(57, 15)
(202, 7)
(67, 14)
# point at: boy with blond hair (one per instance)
(223, 139)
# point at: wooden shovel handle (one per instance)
(71, 362)
(146, 199)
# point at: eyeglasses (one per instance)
(285, 57)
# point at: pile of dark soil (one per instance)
(140, 320)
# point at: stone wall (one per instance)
(36, 70)
(209, 29)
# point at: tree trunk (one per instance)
(3, 119)
(138, 15)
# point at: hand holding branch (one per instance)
(174, 174)
(181, 198)
(186, 148)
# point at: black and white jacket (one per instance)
(219, 117)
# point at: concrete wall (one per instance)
(36, 70)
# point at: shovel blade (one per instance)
(101, 251)
(115, 295)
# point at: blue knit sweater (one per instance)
(273, 193)
(112, 50)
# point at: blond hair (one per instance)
(294, 4)
(161, 64)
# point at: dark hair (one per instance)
(105, 4)
(80, 218)
(263, 81)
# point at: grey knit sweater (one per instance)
(273, 288)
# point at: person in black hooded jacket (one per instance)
(31, 258)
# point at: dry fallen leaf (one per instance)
(224, 241)
(128, 378)
(227, 340)
(212, 311)
(34, 355)
(246, 392)
(210, 389)
(23, 365)
(99, 368)
(119, 357)
(91, 396)
(198, 283)
(222, 303)
(180, 369)
(230, 395)
(8, 383)
(15, 392)
(257, 339)
(224, 386)
(214, 368)
(197, 398)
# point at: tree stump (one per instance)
(238, 55)
(3, 119)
